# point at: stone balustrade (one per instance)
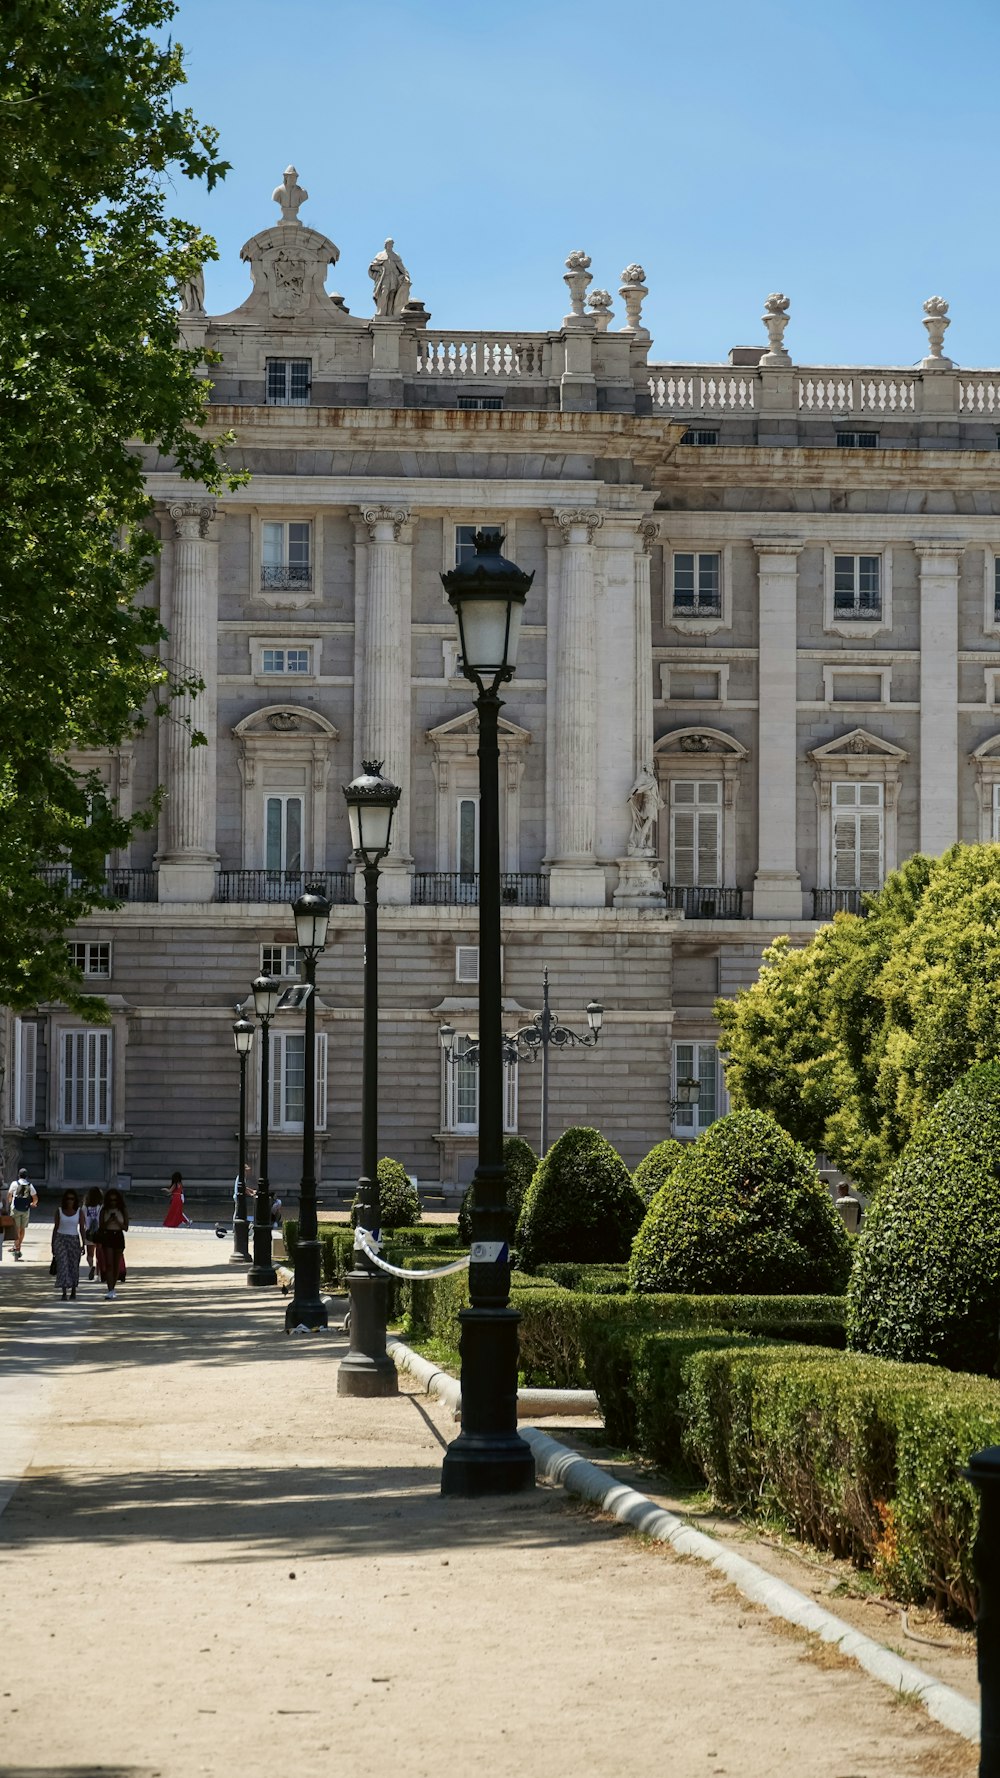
(485, 356)
(823, 391)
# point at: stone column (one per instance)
(187, 857)
(777, 891)
(384, 683)
(576, 879)
(939, 564)
(639, 881)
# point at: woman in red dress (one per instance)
(175, 1217)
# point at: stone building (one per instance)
(767, 595)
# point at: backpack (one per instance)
(22, 1194)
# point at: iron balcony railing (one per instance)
(827, 902)
(283, 885)
(706, 904)
(125, 884)
(290, 577)
(452, 888)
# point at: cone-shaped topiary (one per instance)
(399, 1199)
(657, 1167)
(925, 1285)
(519, 1163)
(743, 1211)
(580, 1205)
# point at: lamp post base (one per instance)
(240, 1255)
(367, 1369)
(261, 1275)
(306, 1308)
(488, 1456)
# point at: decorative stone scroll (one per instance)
(566, 520)
(396, 516)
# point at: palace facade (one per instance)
(775, 589)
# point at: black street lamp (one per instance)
(368, 1369)
(307, 1309)
(243, 1039)
(487, 594)
(266, 994)
(532, 1041)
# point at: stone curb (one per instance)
(531, 1403)
(577, 1476)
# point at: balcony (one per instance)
(283, 885)
(446, 888)
(119, 885)
(291, 577)
(827, 902)
(706, 904)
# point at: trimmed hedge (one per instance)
(519, 1163)
(743, 1210)
(657, 1167)
(594, 1280)
(581, 1204)
(926, 1278)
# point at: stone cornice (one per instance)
(807, 466)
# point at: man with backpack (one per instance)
(22, 1199)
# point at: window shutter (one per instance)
(870, 851)
(708, 848)
(29, 1052)
(321, 1080)
(682, 874)
(467, 963)
(510, 1097)
(845, 860)
(277, 1060)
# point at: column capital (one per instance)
(649, 531)
(192, 518)
(938, 548)
(578, 519)
(376, 516)
(778, 546)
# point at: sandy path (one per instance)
(261, 1577)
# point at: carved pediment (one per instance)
(857, 743)
(276, 720)
(466, 728)
(699, 741)
(988, 750)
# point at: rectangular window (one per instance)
(85, 1093)
(462, 1093)
(280, 960)
(288, 1080)
(288, 382)
(466, 963)
(695, 833)
(282, 832)
(858, 836)
(858, 441)
(700, 435)
(286, 554)
(479, 403)
(286, 660)
(698, 584)
(90, 959)
(857, 586)
(468, 838)
(24, 1075)
(700, 1062)
(465, 539)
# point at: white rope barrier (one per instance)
(363, 1243)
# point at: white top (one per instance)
(69, 1222)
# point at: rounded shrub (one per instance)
(925, 1284)
(580, 1205)
(399, 1199)
(657, 1167)
(519, 1163)
(742, 1212)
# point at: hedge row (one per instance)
(594, 1280)
(861, 1456)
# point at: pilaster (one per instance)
(576, 879)
(639, 881)
(777, 893)
(187, 857)
(386, 678)
(939, 565)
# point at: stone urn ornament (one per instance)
(937, 321)
(633, 292)
(599, 304)
(576, 278)
(775, 319)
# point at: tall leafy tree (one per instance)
(91, 369)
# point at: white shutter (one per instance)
(86, 1084)
(682, 847)
(510, 1097)
(845, 851)
(22, 1104)
(870, 851)
(708, 848)
(321, 1080)
(467, 963)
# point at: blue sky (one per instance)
(846, 154)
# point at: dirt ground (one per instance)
(214, 1564)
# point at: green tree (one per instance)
(91, 371)
(519, 1163)
(580, 1205)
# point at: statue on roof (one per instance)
(391, 280)
(289, 196)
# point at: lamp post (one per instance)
(243, 1039)
(307, 1309)
(266, 994)
(687, 1094)
(368, 1369)
(532, 1041)
(487, 594)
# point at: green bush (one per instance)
(580, 1205)
(593, 1280)
(742, 1211)
(519, 1163)
(398, 1197)
(439, 1237)
(926, 1278)
(657, 1167)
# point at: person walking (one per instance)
(850, 1207)
(176, 1217)
(22, 1199)
(91, 1217)
(68, 1241)
(111, 1229)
